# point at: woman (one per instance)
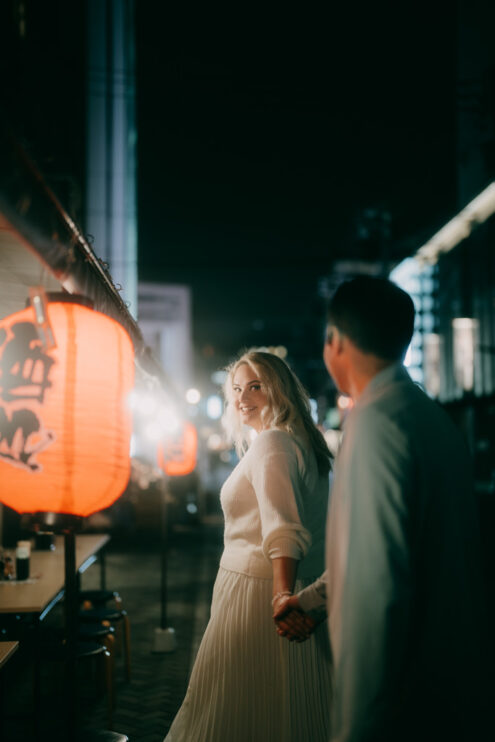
(249, 684)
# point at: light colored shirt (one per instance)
(275, 504)
(405, 604)
(314, 596)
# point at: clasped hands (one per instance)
(290, 620)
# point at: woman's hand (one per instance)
(291, 622)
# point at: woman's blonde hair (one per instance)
(288, 407)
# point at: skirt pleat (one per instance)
(248, 684)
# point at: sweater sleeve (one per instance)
(276, 481)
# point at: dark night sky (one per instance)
(263, 135)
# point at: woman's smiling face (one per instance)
(249, 397)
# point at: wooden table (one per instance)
(47, 577)
(7, 649)
(36, 596)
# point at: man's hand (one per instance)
(290, 620)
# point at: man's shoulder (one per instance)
(398, 395)
(378, 422)
(403, 409)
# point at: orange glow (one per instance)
(177, 456)
(344, 403)
(64, 427)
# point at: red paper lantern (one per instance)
(64, 424)
(177, 456)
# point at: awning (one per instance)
(40, 245)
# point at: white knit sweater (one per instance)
(274, 504)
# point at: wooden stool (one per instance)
(56, 651)
(98, 598)
(101, 633)
(112, 616)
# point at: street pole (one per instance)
(164, 638)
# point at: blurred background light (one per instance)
(333, 417)
(419, 282)
(168, 419)
(193, 396)
(408, 357)
(431, 363)
(460, 227)
(332, 439)
(214, 442)
(146, 404)
(219, 377)
(464, 340)
(153, 431)
(214, 407)
(132, 399)
(343, 402)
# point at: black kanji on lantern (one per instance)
(15, 434)
(24, 367)
(24, 372)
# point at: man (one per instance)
(404, 604)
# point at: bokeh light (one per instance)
(193, 396)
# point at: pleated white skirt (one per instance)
(248, 684)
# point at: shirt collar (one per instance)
(394, 372)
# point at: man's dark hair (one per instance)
(375, 314)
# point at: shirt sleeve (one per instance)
(314, 596)
(276, 481)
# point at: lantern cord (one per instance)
(82, 245)
(153, 380)
(77, 237)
